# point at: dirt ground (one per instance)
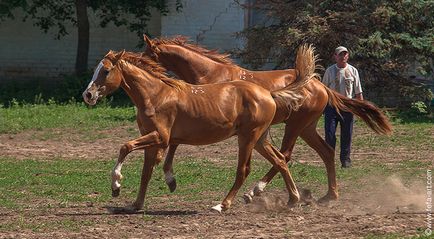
(387, 210)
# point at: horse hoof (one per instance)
(293, 201)
(292, 204)
(247, 198)
(306, 197)
(172, 185)
(116, 192)
(218, 208)
(259, 188)
(136, 206)
(327, 198)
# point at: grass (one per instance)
(51, 177)
(56, 183)
(69, 182)
(85, 181)
(68, 116)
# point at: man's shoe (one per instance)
(346, 164)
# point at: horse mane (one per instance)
(183, 41)
(147, 64)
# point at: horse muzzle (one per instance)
(90, 97)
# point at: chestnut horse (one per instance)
(170, 111)
(198, 65)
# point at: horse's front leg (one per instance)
(151, 159)
(168, 167)
(152, 139)
(246, 144)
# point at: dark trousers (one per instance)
(331, 119)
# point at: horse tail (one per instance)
(305, 64)
(367, 111)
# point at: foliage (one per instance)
(417, 113)
(385, 38)
(39, 91)
(56, 15)
(419, 108)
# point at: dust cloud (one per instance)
(392, 195)
(379, 195)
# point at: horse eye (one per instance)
(105, 72)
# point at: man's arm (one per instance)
(326, 78)
(357, 85)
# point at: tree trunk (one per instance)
(83, 37)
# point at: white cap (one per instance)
(340, 49)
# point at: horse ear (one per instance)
(109, 53)
(148, 41)
(151, 45)
(119, 56)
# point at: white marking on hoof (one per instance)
(259, 188)
(248, 197)
(116, 185)
(218, 208)
(116, 177)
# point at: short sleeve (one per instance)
(357, 84)
(326, 78)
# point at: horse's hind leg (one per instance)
(168, 167)
(245, 148)
(278, 160)
(288, 142)
(327, 154)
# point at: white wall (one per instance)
(27, 52)
(211, 23)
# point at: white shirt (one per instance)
(343, 80)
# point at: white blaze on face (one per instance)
(95, 74)
(94, 77)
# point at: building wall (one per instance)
(26, 52)
(210, 23)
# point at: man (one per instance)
(343, 78)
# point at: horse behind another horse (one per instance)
(170, 111)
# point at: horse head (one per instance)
(106, 78)
(152, 49)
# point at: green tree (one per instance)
(56, 15)
(385, 37)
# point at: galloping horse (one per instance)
(198, 65)
(170, 111)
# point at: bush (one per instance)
(41, 91)
(419, 108)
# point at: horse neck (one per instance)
(140, 85)
(190, 66)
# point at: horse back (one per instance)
(270, 80)
(219, 111)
